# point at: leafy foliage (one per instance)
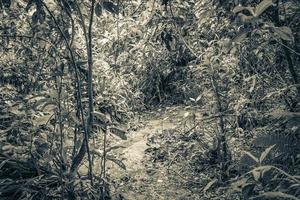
(67, 78)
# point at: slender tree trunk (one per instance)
(90, 90)
(288, 55)
(85, 143)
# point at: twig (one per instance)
(103, 169)
(28, 37)
(289, 48)
(184, 178)
(208, 118)
(78, 158)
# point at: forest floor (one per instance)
(150, 157)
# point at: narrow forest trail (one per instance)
(143, 177)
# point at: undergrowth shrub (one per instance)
(266, 181)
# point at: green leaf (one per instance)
(253, 84)
(238, 9)
(81, 62)
(198, 98)
(240, 37)
(98, 10)
(256, 174)
(41, 102)
(75, 119)
(265, 153)
(264, 167)
(262, 6)
(275, 195)
(101, 117)
(35, 17)
(284, 32)
(245, 19)
(45, 104)
(117, 161)
(238, 185)
(110, 7)
(42, 120)
(3, 163)
(118, 132)
(265, 170)
(7, 147)
(114, 147)
(210, 184)
(29, 5)
(192, 99)
(42, 16)
(99, 152)
(251, 156)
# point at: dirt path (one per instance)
(142, 178)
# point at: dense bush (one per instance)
(73, 70)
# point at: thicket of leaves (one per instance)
(237, 58)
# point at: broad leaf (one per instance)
(42, 16)
(284, 32)
(117, 161)
(251, 156)
(265, 153)
(101, 117)
(192, 99)
(245, 19)
(238, 9)
(75, 119)
(7, 147)
(42, 120)
(256, 174)
(240, 37)
(29, 5)
(81, 62)
(262, 6)
(118, 132)
(35, 17)
(110, 7)
(99, 152)
(198, 98)
(98, 10)
(210, 184)
(3, 163)
(186, 114)
(114, 147)
(265, 170)
(275, 195)
(239, 184)
(253, 84)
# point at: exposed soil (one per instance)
(146, 177)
